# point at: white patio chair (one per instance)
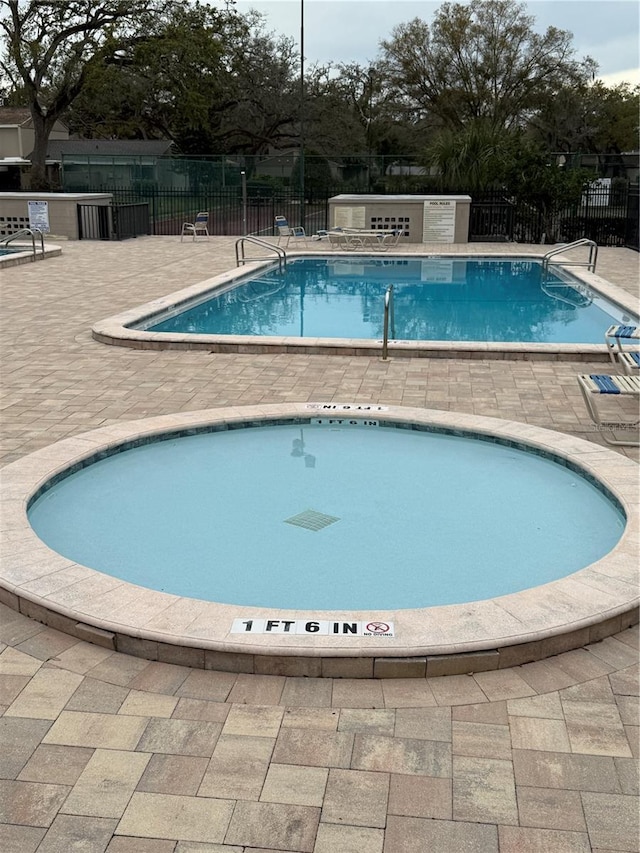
(200, 226)
(290, 232)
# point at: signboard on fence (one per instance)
(39, 216)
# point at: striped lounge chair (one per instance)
(630, 362)
(594, 387)
(617, 336)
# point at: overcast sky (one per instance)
(350, 30)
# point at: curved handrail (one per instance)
(240, 257)
(25, 232)
(584, 241)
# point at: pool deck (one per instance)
(114, 753)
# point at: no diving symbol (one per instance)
(378, 627)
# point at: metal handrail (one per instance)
(240, 257)
(590, 264)
(389, 313)
(24, 232)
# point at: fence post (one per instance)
(153, 210)
(243, 175)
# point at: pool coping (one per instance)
(586, 606)
(117, 330)
(26, 256)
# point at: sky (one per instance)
(351, 30)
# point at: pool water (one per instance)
(446, 299)
(329, 516)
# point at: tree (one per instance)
(329, 117)
(212, 81)
(480, 61)
(591, 119)
(475, 158)
(535, 180)
(166, 84)
(262, 108)
(479, 157)
(50, 48)
(362, 94)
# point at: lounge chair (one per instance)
(616, 336)
(339, 239)
(387, 239)
(630, 362)
(352, 239)
(283, 229)
(596, 386)
(199, 226)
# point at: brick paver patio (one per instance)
(100, 751)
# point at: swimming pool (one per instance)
(16, 254)
(267, 516)
(582, 607)
(445, 306)
(500, 300)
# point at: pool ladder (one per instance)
(590, 264)
(26, 232)
(241, 259)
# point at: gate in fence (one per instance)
(113, 221)
(95, 221)
(492, 220)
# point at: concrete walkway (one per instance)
(104, 752)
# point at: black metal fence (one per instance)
(631, 237)
(131, 220)
(229, 213)
(606, 213)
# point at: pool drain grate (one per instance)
(311, 520)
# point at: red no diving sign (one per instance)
(378, 627)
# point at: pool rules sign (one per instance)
(313, 628)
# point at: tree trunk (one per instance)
(42, 127)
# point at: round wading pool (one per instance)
(321, 531)
(334, 514)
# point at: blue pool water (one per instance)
(413, 518)
(446, 299)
